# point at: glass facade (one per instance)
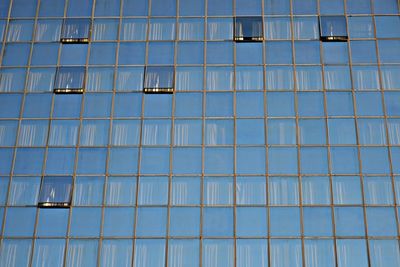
(271, 146)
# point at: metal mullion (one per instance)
(385, 118)
(77, 145)
(140, 145)
(171, 145)
(298, 143)
(328, 144)
(106, 176)
(358, 141)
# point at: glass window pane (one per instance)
(116, 253)
(191, 8)
(218, 191)
(24, 191)
(333, 28)
(20, 30)
(349, 221)
(23, 8)
(257, 226)
(76, 30)
(319, 253)
(79, 8)
(185, 191)
(217, 221)
(33, 133)
(384, 252)
(337, 78)
(184, 221)
(88, 191)
(347, 190)
(52, 222)
(191, 29)
(301, 7)
(135, 8)
(286, 252)
(129, 79)
(82, 252)
(219, 7)
(153, 191)
(248, 28)
(277, 28)
(70, 79)
(306, 28)
(183, 252)
(107, 8)
(162, 29)
(219, 132)
(55, 191)
(133, 29)
(285, 221)
(283, 190)
(149, 252)
(220, 78)
(352, 252)
(85, 222)
(15, 252)
(219, 29)
(105, 29)
(20, 222)
(309, 78)
(361, 27)
(48, 252)
(118, 221)
(151, 222)
(159, 79)
(316, 190)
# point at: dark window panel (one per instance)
(248, 29)
(159, 79)
(76, 31)
(69, 80)
(333, 28)
(55, 192)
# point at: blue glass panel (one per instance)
(286, 252)
(310, 104)
(248, 7)
(219, 29)
(52, 222)
(251, 252)
(150, 252)
(347, 190)
(48, 30)
(309, 78)
(219, 105)
(251, 160)
(85, 222)
(88, 191)
(37, 105)
(280, 104)
(153, 191)
(316, 190)
(187, 132)
(302, 7)
(217, 222)
(4, 182)
(218, 191)
(329, 7)
(102, 54)
(121, 190)
(86, 248)
(100, 79)
(191, 28)
(67, 106)
(23, 191)
(358, 7)
(73, 54)
(133, 29)
(183, 252)
(60, 161)
(307, 52)
(23, 8)
(123, 161)
(306, 28)
(7, 156)
(374, 160)
(15, 252)
(163, 8)
(51, 8)
(339, 104)
(249, 104)
(29, 161)
(190, 53)
(277, 7)
(363, 52)
(361, 27)
(130, 79)
(125, 132)
(389, 51)
(384, 252)
(390, 79)
(12, 79)
(312, 131)
(342, 131)
(349, 221)
(319, 253)
(118, 221)
(8, 133)
(48, 252)
(20, 222)
(116, 253)
(79, 8)
(282, 160)
(250, 78)
(41, 79)
(76, 30)
(219, 53)
(189, 78)
(378, 190)
(386, 7)
(250, 131)
(107, 8)
(184, 222)
(279, 52)
(92, 160)
(335, 53)
(93, 102)
(187, 161)
(344, 160)
(160, 77)
(333, 26)
(127, 105)
(387, 27)
(277, 28)
(381, 221)
(367, 78)
(250, 190)
(151, 221)
(257, 226)
(249, 53)
(16, 54)
(218, 161)
(4, 8)
(337, 78)
(191, 8)
(185, 191)
(135, 8)
(20, 30)
(45, 54)
(105, 29)
(220, 8)
(155, 161)
(188, 104)
(284, 221)
(314, 160)
(354, 247)
(371, 132)
(317, 221)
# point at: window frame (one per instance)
(80, 40)
(333, 38)
(54, 204)
(242, 38)
(58, 90)
(155, 89)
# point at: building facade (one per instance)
(210, 133)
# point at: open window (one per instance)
(55, 192)
(248, 29)
(159, 80)
(70, 80)
(76, 31)
(333, 28)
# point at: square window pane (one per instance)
(159, 79)
(333, 28)
(69, 80)
(248, 29)
(76, 31)
(55, 191)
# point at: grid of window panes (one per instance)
(278, 153)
